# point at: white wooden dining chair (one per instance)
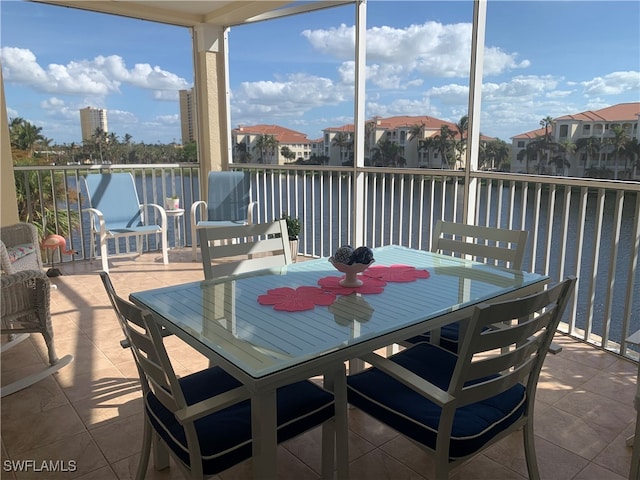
(228, 204)
(496, 246)
(203, 420)
(244, 248)
(455, 406)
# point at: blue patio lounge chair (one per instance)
(116, 212)
(228, 204)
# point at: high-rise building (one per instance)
(92, 119)
(188, 123)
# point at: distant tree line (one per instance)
(30, 146)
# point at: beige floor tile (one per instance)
(595, 472)
(570, 432)
(381, 466)
(483, 468)
(104, 473)
(122, 399)
(91, 408)
(554, 463)
(70, 457)
(120, 439)
(27, 432)
(616, 456)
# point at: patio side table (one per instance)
(178, 218)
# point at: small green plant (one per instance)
(293, 226)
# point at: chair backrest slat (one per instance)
(513, 348)
(228, 196)
(244, 248)
(498, 246)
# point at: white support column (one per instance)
(475, 97)
(211, 99)
(358, 154)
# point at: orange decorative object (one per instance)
(52, 242)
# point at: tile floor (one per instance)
(88, 415)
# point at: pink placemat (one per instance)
(369, 285)
(395, 273)
(296, 299)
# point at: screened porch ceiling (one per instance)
(191, 13)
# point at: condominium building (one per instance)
(92, 119)
(405, 134)
(583, 144)
(252, 144)
(188, 118)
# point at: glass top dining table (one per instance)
(275, 326)
(227, 317)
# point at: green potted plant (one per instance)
(294, 226)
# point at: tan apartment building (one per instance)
(188, 117)
(247, 148)
(92, 119)
(586, 141)
(406, 132)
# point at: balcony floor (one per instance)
(90, 412)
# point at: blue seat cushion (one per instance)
(220, 223)
(141, 229)
(225, 436)
(449, 337)
(408, 412)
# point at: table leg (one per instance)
(264, 433)
(178, 231)
(336, 381)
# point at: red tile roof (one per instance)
(533, 134)
(614, 113)
(283, 135)
(430, 123)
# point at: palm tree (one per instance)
(386, 153)
(417, 131)
(24, 135)
(493, 154)
(287, 153)
(618, 141)
(463, 126)
(443, 141)
(530, 152)
(243, 156)
(560, 160)
(546, 141)
(344, 141)
(266, 144)
(591, 147)
(631, 154)
(425, 146)
(98, 142)
(369, 130)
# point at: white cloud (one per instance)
(614, 83)
(395, 56)
(293, 96)
(98, 77)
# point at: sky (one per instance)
(542, 58)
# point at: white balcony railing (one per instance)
(588, 228)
